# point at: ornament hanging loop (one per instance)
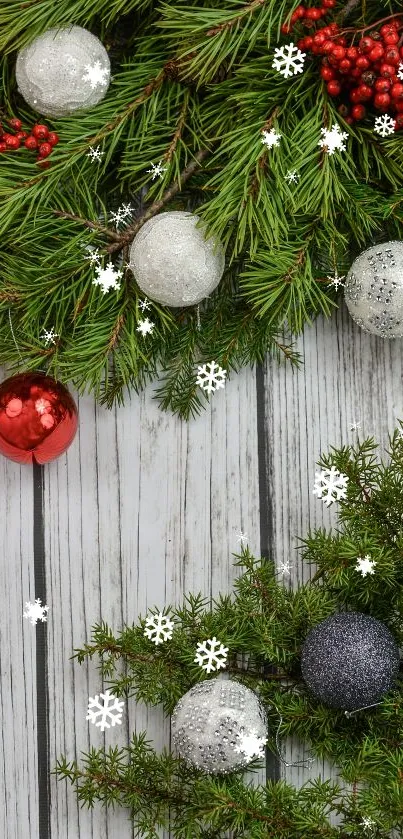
(349, 714)
(306, 764)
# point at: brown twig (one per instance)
(130, 232)
(179, 128)
(348, 8)
(93, 225)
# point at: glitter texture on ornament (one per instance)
(212, 720)
(350, 660)
(62, 71)
(374, 290)
(173, 262)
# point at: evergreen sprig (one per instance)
(264, 626)
(193, 87)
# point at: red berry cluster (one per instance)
(361, 73)
(309, 16)
(40, 139)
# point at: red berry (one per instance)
(40, 132)
(313, 14)
(391, 37)
(382, 101)
(339, 52)
(319, 39)
(382, 85)
(355, 95)
(356, 73)
(53, 138)
(399, 122)
(333, 88)
(334, 28)
(44, 150)
(362, 62)
(358, 111)
(387, 70)
(15, 123)
(326, 30)
(328, 46)
(308, 42)
(21, 135)
(352, 53)
(3, 147)
(286, 28)
(376, 53)
(11, 141)
(327, 73)
(386, 29)
(399, 105)
(391, 55)
(31, 142)
(349, 120)
(366, 44)
(345, 66)
(364, 92)
(328, 4)
(300, 11)
(342, 42)
(396, 91)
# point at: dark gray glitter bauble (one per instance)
(350, 660)
(374, 290)
(62, 71)
(209, 720)
(173, 261)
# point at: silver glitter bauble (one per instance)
(62, 71)
(173, 262)
(217, 724)
(374, 290)
(350, 660)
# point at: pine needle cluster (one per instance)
(264, 626)
(193, 88)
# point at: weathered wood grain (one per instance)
(18, 769)
(348, 376)
(142, 509)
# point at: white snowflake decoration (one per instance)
(211, 379)
(384, 125)
(285, 568)
(35, 612)
(368, 823)
(158, 628)
(121, 214)
(365, 565)
(242, 537)
(333, 140)
(330, 485)
(211, 655)
(292, 176)
(144, 304)
(48, 336)
(93, 255)
(145, 326)
(271, 139)
(100, 712)
(107, 277)
(250, 745)
(157, 170)
(96, 75)
(336, 281)
(355, 425)
(95, 153)
(288, 60)
(400, 71)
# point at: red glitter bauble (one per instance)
(38, 418)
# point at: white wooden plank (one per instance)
(142, 509)
(347, 376)
(18, 753)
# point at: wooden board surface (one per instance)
(143, 508)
